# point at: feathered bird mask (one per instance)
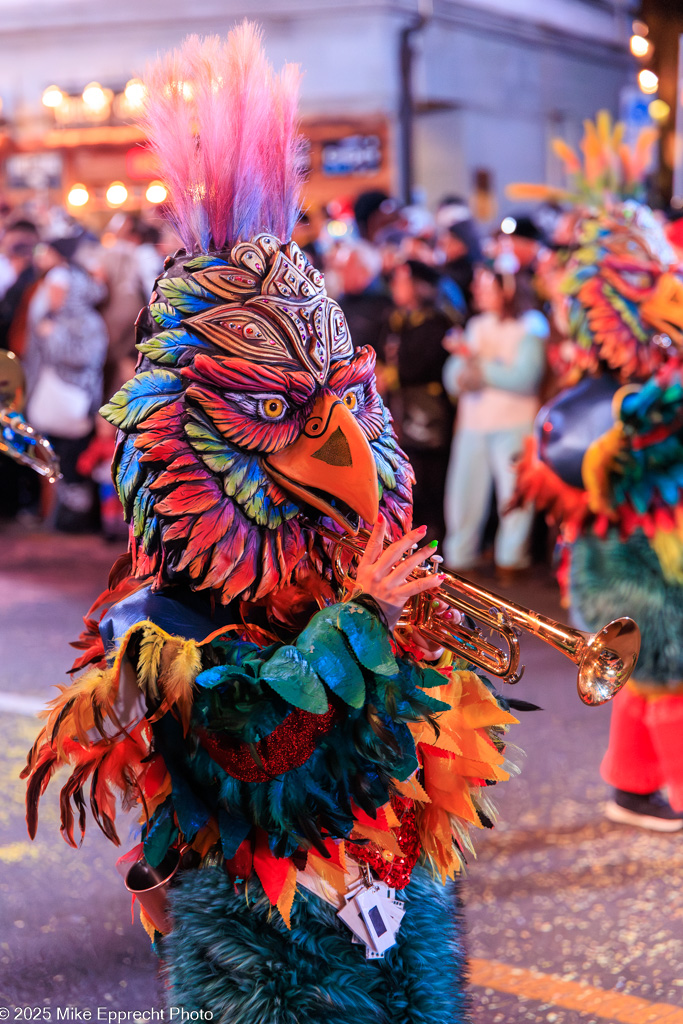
(250, 404)
(623, 295)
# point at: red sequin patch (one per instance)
(395, 872)
(288, 746)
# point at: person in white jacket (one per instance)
(495, 371)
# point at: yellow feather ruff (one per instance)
(603, 126)
(181, 664)
(453, 766)
(668, 546)
(147, 924)
(599, 463)
(149, 658)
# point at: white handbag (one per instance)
(59, 408)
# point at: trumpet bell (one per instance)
(608, 661)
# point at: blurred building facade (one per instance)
(491, 82)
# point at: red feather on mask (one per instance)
(241, 375)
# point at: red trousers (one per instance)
(645, 749)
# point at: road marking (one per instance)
(572, 995)
(19, 704)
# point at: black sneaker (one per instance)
(645, 810)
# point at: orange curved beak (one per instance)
(330, 466)
(664, 309)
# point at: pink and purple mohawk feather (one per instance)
(223, 128)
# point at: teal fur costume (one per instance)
(315, 974)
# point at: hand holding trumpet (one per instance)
(384, 572)
(447, 618)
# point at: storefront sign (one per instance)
(37, 171)
(353, 154)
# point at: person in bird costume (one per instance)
(299, 756)
(606, 462)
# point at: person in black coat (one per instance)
(411, 357)
(18, 247)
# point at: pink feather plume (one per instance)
(224, 130)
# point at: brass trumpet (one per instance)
(605, 659)
(17, 438)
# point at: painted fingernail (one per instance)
(380, 518)
(433, 544)
(421, 529)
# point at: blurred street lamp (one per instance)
(648, 81)
(640, 47)
(117, 193)
(156, 192)
(134, 93)
(337, 228)
(52, 96)
(78, 195)
(94, 96)
(659, 110)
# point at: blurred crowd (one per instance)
(464, 324)
(68, 304)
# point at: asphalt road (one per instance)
(571, 919)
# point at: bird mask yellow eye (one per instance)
(350, 400)
(272, 408)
